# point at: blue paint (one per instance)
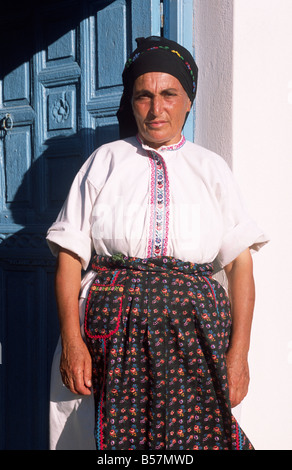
(61, 83)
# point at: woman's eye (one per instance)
(170, 93)
(141, 97)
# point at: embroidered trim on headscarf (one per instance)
(132, 59)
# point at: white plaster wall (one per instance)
(214, 52)
(255, 44)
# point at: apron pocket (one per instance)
(103, 310)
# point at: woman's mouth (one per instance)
(156, 124)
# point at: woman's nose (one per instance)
(156, 105)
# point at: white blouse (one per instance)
(179, 201)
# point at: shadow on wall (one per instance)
(45, 185)
(28, 319)
(39, 199)
(28, 311)
(18, 34)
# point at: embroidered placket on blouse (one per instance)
(159, 206)
(159, 200)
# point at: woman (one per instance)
(149, 331)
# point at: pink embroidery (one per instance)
(102, 287)
(211, 288)
(100, 418)
(159, 199)
(152, 198)
(110, 287)
(159, 206)
(176, 146)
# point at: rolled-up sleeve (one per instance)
(240, 231)
(72, 228)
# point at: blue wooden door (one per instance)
(60, 86)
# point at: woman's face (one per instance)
(160, 105)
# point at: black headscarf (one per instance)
(155, 54)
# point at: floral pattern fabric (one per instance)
(158, 330)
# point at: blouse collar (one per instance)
(164, 148)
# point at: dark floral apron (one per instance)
(157, 330)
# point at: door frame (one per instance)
(178, 25)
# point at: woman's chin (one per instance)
(157, 138)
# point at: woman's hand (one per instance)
(242, 296)
(75, 367)
(238, 376)
(75, 364)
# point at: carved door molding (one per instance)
(61, 65)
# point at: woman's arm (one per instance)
(75, 364)
(242, 297)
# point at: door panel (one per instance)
(17, 163)
(60, 84)
(109, 23)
